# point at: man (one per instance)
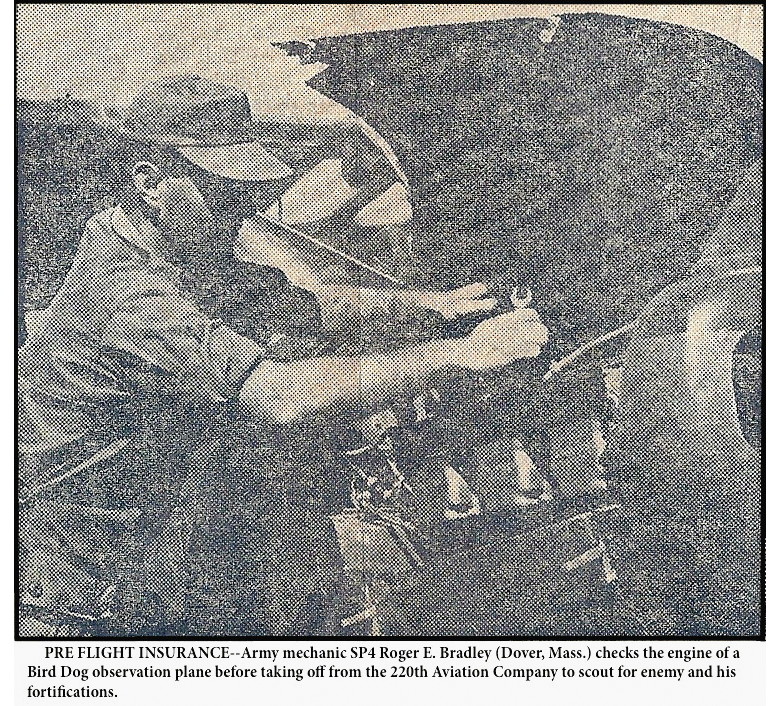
(133, 331)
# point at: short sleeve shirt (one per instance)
(119, 321)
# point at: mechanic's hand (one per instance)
(460, 302)
(502, 339)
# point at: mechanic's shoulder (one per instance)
(100, 238)
(101, 221)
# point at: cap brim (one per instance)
(242, 155)
(245, 161)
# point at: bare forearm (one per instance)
(285, 392)
(344, 306)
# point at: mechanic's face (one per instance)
(184, 215)
(198, 212)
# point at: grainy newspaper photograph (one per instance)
(389, 321)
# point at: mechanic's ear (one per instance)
(147, 178)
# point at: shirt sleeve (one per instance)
(261, 300)
(204, 355)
